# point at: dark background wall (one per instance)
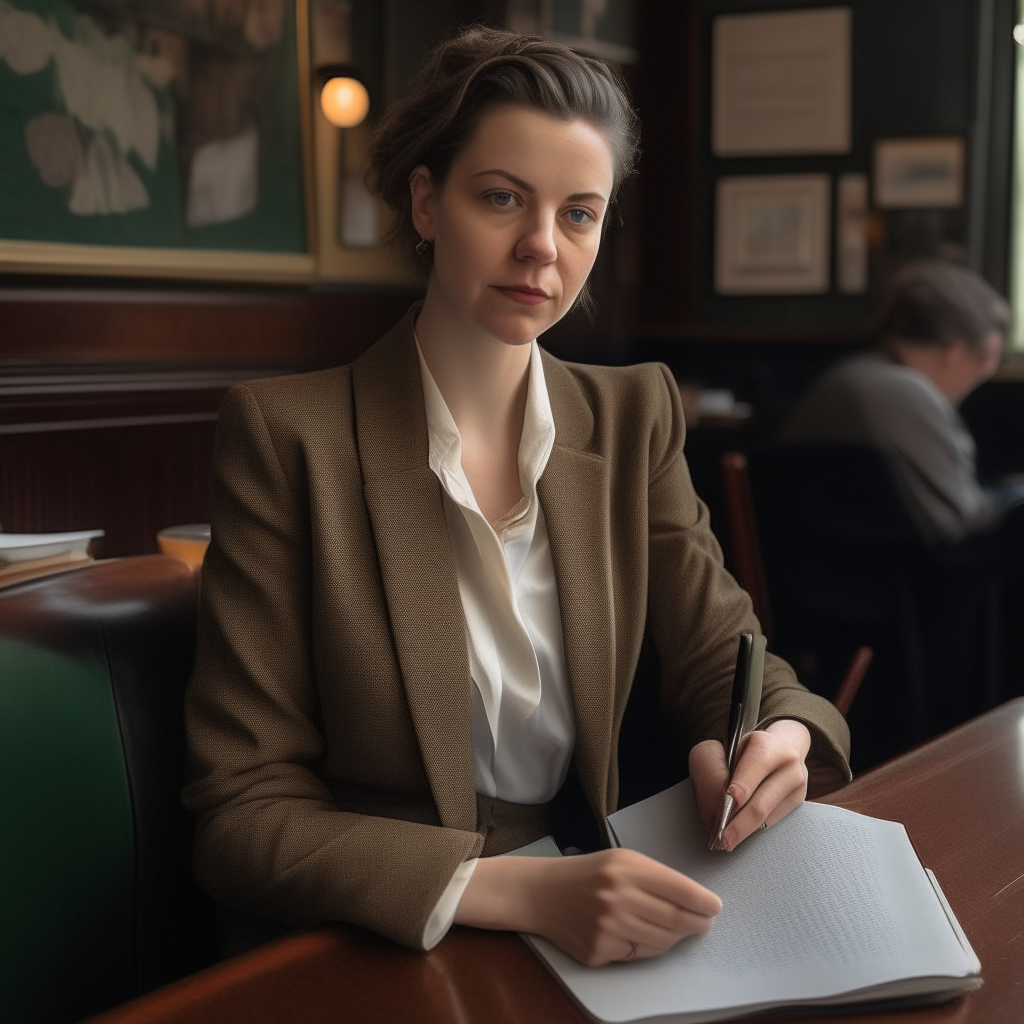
(919, 68)
(109, 389)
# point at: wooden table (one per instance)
(961, 797)
(14, 575)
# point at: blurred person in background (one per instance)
(941, 334)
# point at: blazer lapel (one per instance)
(573, 494)
(403, 498)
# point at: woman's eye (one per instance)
(501, 198)
(579, 216)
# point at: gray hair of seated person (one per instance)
(935, 303)
(477, 70)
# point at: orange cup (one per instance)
(189, 543)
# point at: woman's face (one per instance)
(517, 223)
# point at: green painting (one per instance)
(171, 124)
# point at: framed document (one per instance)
(919, 173)
(772, 235)
(781, 83)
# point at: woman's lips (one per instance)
(523, 294)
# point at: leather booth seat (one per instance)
(99, 904)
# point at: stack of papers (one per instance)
(826, 908)
(22, 552)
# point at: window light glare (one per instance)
(1018, 34)
(344, 101)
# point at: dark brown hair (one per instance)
(478, 69)
(937, 303)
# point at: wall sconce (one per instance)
(345, 103)
(344, 98)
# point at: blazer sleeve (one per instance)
(697, 610)
(270, 840)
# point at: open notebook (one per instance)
(826, 908)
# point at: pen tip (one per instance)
(716, 845)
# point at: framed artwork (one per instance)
(781, 83)
(772, 235)
(916, 173)
(156, 137)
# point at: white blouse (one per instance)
(523, 723)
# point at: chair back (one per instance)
(99, 900)
(744, 545)
(848, 565)
(835, 528)
(748, 568)
(848, 490)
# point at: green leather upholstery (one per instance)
(97, 901)
(67, 868)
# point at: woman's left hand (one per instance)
(769, 780)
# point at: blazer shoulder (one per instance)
(613, 383)
(291, 403)
(602, 405)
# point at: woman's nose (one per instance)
(538, 240)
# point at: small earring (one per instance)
(423, 245)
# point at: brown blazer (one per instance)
(329, 714)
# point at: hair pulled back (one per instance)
(474, 71)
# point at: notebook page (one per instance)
(824, 902)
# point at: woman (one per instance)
(431, 571)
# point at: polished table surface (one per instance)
(961, 797)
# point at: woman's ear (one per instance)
(421, 189)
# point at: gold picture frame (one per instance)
(295, 265)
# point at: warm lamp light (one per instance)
(344, 101)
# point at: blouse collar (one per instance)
(446, 442)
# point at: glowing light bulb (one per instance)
(1018, 34)
(344, 101)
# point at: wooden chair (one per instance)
(748, 568)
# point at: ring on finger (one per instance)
(633, 947)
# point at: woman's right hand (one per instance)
(596, 906)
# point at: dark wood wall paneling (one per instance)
(668, 97)
(45, 326)
(109, 396)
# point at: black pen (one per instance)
(743, 714)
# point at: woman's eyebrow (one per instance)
(530, 189)
(518, 182)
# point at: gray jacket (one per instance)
(870, 399)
